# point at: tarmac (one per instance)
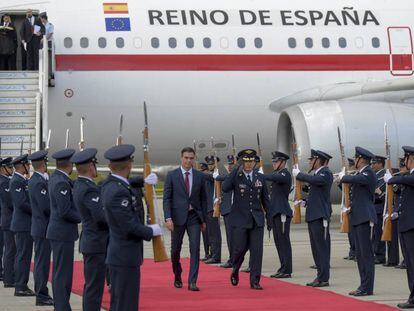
(391, 285)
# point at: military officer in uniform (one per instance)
(62, 231)
(378, 164)
(318, 213)
(95, 231)
(127, 231)
(406, 220)
(398, 191)
(351, 238)
(212, 223)
(21, 224)
(40, 202)
(206, 243)
(247, 216)
(6, 205)
(280, 212)
(363, 218)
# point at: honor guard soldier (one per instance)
(280, 212)
(213, 223)
(247, 216)
(362, 218)
(206, 244)
(406, 220)
(351, 237)
(40, 202)
(318, 213)
(6, 204)
(378, 164)
(398, 191)
(126, 229)
(21, 224)
(95, 231)
(62, 231)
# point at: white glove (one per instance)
(387, 176)
(151, 179)
(302, 203)
(295, 171)
(341, 174)
(156, 230)
(215, 174)
(261, 170)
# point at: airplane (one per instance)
(210, 69)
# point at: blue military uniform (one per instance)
(40, 203)
(62, 231)
(379, 246)
(318, 215)
(21, 224)
(95, 232)
(362, 218)
(351, 235)
(206, 244)
(127, 233)
(247, 217)
(6, 206)
(280, 214)
(406, 224)
(212, 223)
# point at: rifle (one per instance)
(346, 193)
(82, 136)
(48, 139)
(217, 185)
(298, 185)
(196, 163)
(157, 243)
(389, 194)
(233, 149)
(30, 144)
(67, 139)
(121, 127)
(21, 145)
(259, 153)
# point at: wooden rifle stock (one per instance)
(160, 253)
(389, 195)
(346, 191)
(196, 163)
(297, 217)
(217, 186)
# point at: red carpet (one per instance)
(158, 293)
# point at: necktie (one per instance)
(187, 183)
(249, 178)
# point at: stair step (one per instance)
(10, 139)
(18, 132)
(14, 101)
(7, 107)
(22, 94)
(19, 81)
(8, 88)
(16, 120)
(16, 146)
(12, 153)
(11, 113)
(19, 75)
(16, 126)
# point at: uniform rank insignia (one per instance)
(64, 192)
(125, 203)
(95, 199)
(365, 174)
(43, 191)
(18, 189)
(258, 183)
(323, 175)
(283, 174)
(7, 190)
(242, 186)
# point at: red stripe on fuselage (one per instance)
(95, 62)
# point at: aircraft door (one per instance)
(401, 51)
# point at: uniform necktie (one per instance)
(187, 183)
(249, 178)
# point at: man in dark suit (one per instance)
(8, 44)
(280, 213)
(62, 231)
(247, 217)
(124, 213)
(363, 218)
(406, 220)
(21, 224)
(378, 164)
(6, 204)
(40, 202)
(95, 230)
(318, 213)
(31, 34)
(185, 205)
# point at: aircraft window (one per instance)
(84, 42)
(172, 43)
(241, 43)
(376, 42)
(359, 42)
(292, 43)
(326, 43)
(342, 42)
(138, 42)
(207, 43)
(224, 43)
(68, 42)
(309, 43)
(155, 43)
(258, 43)
(102, 43)
(189, 42)
(120, 43)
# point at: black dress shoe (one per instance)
(234, 278)
(226, 265)
(256, 286)
(48, 302)
(1, 278)
(283, 276)
(7, 285)
(401, 267)
(312, 283)
(313, 267)
(379, 261)
(212, 261)
(205, 258)
(193, 287)
(246, 270)
(24, 293)
(178, 283)
(275, 275)
(388, 264)
(321, 284)
(406, 305)
(360, 293)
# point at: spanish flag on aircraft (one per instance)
(115, 8)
